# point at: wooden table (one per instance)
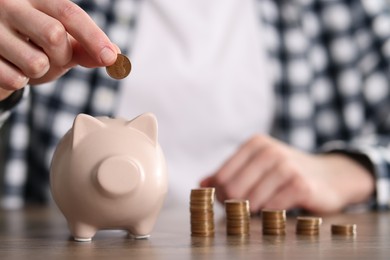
(41, 233)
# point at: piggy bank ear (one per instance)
(84, 125)
(147, 124)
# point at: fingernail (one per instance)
(108, 56)
(117, 48)
(23, 80)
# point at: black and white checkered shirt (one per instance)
(330, 71)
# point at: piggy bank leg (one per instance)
(142, 229)
(82, 232)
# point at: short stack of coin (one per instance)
(308, 225)
(345, 230)
(273, 222)
(237, 217)
(202, 212)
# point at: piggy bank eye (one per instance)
(117, 176)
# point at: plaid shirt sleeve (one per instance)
(6, 111)
(375, 142)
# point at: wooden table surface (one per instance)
(41, 233)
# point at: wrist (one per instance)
(354, 181)
(9, 99)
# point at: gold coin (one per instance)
(309, 220)
(196, 229)
(271, 231)
(308, 232)
(202, 212)
(203, 234)
(272, 226)
(204, 225)
(237, 208)
(348, 229)
(199, 216)
(201, 208)
(268, 214)
(238, 232)
(198, 201)
(237, 218)
(273, 222)
(202, 221)
(307, 228)
(209, 190)
(237, 223)
(235, 202)
(120, 69)
(237, 211)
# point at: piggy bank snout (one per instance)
(118, 176)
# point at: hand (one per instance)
(41, 39)
(4, 93)
(271, 174)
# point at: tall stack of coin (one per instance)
(346, 230)
(308, 225)
(274, 222)
(237, 217)
(202, 212)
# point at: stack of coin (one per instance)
(237, 217)
(274, 222)
(202, 212)
(308, 225)
(346, 230)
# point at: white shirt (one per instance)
(200, 67)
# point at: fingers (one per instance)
(291, 195)
(271, 174)
(30, 60)
(90, 36)
(44, 31)
(42, 39)
(241, 167)
(252, 173)
(10, 77)
(243, 174)
(239, 159)
(263, 171)
(264, 190)
(80, 55)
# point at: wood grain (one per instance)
(41, 233)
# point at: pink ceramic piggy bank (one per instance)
(109, 174)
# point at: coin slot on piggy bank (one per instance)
(109, 174)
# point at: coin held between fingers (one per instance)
(120, 69)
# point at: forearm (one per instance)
(353, 181)
(374, 148)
